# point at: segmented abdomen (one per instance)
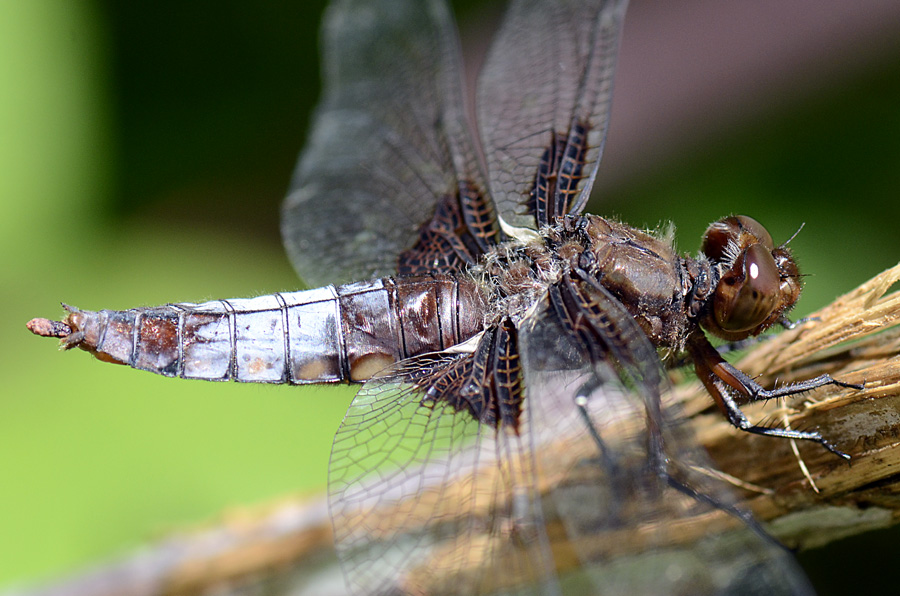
(326, 335)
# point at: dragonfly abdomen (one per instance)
(326, 335)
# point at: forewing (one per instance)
(632, 531)
(545, 90)
(426, 499)
(389, 140)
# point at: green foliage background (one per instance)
(143, 152)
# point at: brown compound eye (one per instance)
(738, 229)
(748, 293)
(755, 229)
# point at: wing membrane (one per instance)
(635, 527)
(426, 499)
(389, 140)
(549, 73)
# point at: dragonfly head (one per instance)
(758, 281)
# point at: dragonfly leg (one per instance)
(744, 516)
(606, 459)
(736, 417)
(730, 387)
(684, 359)
(789, 324)
(662, 467)
(582, 398)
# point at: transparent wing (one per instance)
(637, 512)
(597, 487)
(546, 88)
(389, 140)
(425, 499)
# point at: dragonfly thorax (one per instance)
(740, 284)
(638, 268)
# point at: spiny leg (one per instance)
(661, 466)
(606, 457)
(744, 516)
(582, 397)
(723, 381)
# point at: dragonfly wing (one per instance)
(389, 141)
(427, 499)
(543, 103)
(608, 468)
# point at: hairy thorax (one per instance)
(642, 270)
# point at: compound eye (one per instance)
(739, 230)
(717, 237)
(753, 227)
(747, 294)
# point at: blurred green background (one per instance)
(144, 150)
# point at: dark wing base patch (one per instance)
(464, 227)
(556, 189)
(486, 384)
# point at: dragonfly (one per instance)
(514, 431)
